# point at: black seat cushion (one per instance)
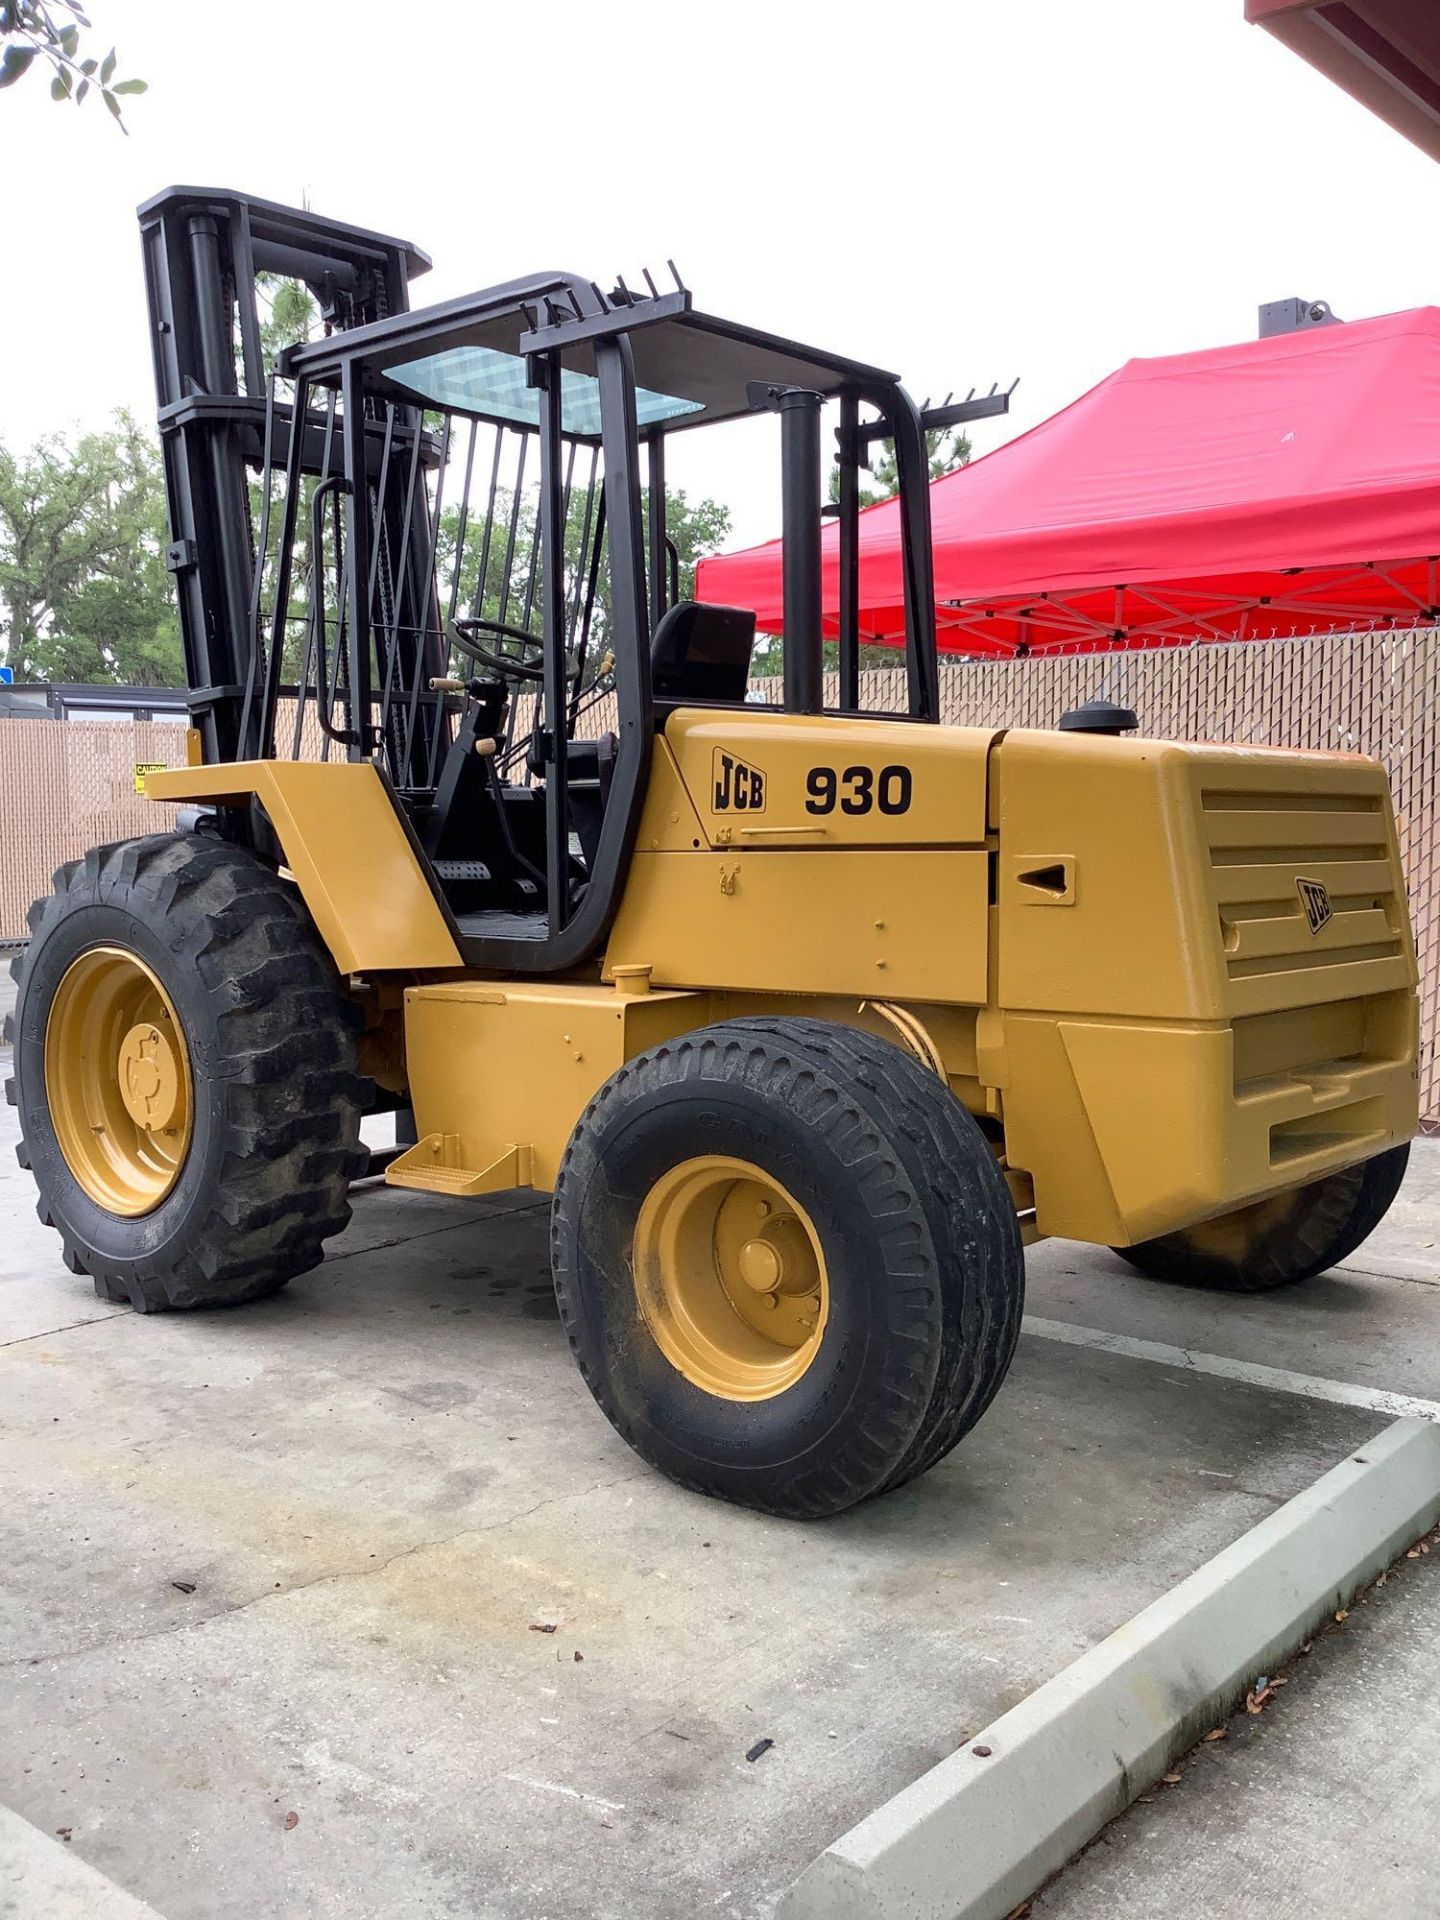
(590, 759)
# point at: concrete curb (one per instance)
(39, 1876)
(976, 1835)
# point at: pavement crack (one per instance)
(70, 1326)
(365, 1572)
(1379, 1273)
(428, 1233)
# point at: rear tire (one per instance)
(267, 1051)
(918, 1249)
(1280, 1241)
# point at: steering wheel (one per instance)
(513, 666)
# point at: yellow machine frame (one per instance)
(1169, 978)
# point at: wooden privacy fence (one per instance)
(65, 786)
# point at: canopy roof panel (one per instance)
(1289, 484)
(467, 355)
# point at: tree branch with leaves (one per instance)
(84, 591)
(50, 31)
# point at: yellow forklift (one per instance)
(808, 1018)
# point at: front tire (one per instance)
(1282, 1240)
(788, 1263)
(185, 1074)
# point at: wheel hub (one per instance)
(118, 1081)
(730, 1277)
(761, 1266)
(149, 1075)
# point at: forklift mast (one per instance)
(219, 420)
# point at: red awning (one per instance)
(1289, 485)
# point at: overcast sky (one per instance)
(963, 191)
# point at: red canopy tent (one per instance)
(1288, 485)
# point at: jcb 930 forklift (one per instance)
(808, 1018)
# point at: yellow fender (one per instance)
(350, 849)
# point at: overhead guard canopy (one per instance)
(691, 368)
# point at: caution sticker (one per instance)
(142, 767)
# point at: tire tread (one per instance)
(293, 1096)
(1328, 1220)
(906, 1135)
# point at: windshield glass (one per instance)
(484, 381)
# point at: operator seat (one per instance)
(702, 652)
(698, 652)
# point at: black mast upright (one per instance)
(203, 250)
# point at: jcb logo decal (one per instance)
(1315, 898)
(739, 787)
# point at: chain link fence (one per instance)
(67, 786)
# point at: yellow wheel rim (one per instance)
(117, 1080)
(730, 1277)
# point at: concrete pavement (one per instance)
(296, 1560)
(1325, 1804)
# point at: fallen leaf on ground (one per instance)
(292, 1820)
(1216, 1733)
(544, 1626)
(1342, 1615)
(1170, 1779)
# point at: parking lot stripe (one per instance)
(570, 1793)
(1343, 1393)
(976, 1835)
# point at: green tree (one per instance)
(49, 31)
(697, 529)
(292, 314)
(84, 592)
